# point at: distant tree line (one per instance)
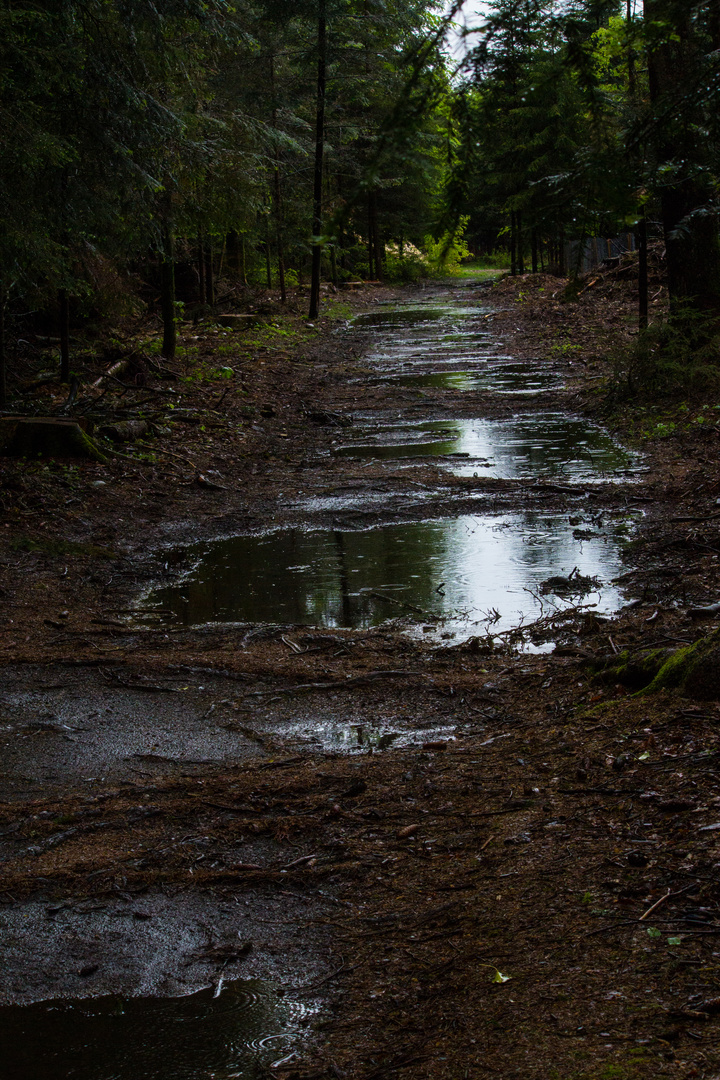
(159, 144)
(591, 118)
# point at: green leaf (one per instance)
(653, 933)
(674, 941)
(498, 977)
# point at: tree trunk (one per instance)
(201, 267)
(643, 307)
(691, 228)
(277, 197)
(167, 284)
(370, 243)
(209, 276)
(561, 253)
(3, 381)
(268, 256)
(534, 249)
(233, 251)
(377, 246)
(64, 305)
(520, 256)
(513, 244)
(319, 154)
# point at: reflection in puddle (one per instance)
(422, 339)
(496, 377)
(539, 445)
(369, 735)
(462, 570)
(236, 1033)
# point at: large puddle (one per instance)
(457, 572)
(464, 571)
(237, 1032)
(535, 446)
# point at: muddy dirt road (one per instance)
(297, 714)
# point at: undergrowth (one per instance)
(680, 354)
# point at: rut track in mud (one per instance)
(524, 832)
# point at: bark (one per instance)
(167, 283)
(268, 260)
(513, 244)
(64, 305)
(233, 251)
(201, 268)
(377, 246)
(209, 277)
(319, 154)
(370, 244)
(3, 386)
(277, 198)
(520, 256)
(534, 249)
(643, 307)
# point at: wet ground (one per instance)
(286, 712)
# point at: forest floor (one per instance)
(524, 884)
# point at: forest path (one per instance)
(394, 821)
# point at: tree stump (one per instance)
(37, 436)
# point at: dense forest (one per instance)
(146, 149)
(360, 539)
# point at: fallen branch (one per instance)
(356, 680)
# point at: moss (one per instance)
(694, 669)
(634, 670)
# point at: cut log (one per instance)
(38, 436)
(125, 430)
(238, 322)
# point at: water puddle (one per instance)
(234, 1033)
(496, 377)
(464, 571)
(533, 447)
(423, 339)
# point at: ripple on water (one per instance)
(455, 569)
(533, 446)
(230, 1034)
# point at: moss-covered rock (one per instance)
(695, 670)
(37, 436)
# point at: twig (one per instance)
(371, 676)
(169, 453)
(657, 904)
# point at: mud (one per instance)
(440, 841)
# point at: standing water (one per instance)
(234, 1033)
(464, 570)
